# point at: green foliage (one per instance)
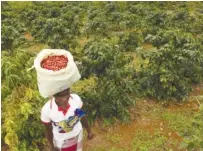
(14, 70)
(57, 25)
(130, 41)
(111, 102)
(98, 26)
(98, 56)
(13, 40)
(12, 29)
(193, 136)
(24, 104)
(177, 38)
(170, 72)
(106, 98)
(56, 32)
(20, 100)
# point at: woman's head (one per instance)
(62, 97)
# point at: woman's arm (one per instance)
(49, 135)
(87, 127)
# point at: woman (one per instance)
(61, 117)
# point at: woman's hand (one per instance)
(90, 135)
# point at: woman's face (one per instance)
(62, 98)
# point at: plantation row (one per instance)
(115, 66)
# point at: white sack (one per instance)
(51, 82)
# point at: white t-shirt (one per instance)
(51, 113)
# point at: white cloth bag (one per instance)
(51, 82)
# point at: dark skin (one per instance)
(62, 99)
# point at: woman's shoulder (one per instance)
(76, 100)
(75, 96)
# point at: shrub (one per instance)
(21, 102)
(170, 72)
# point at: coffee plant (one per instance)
(170, 72)
(130, 41)
(20, 100)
